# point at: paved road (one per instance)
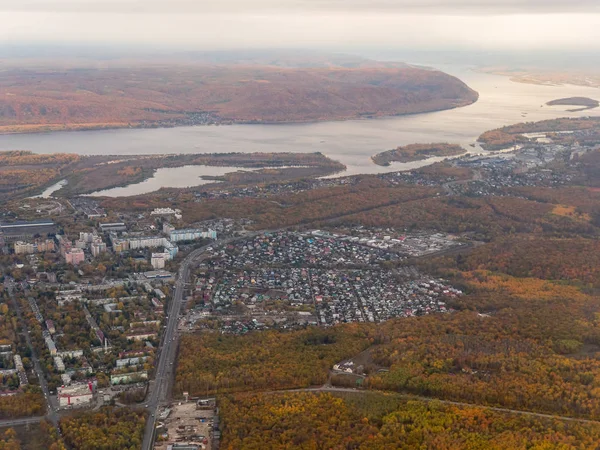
(51, 413)
(165, 369)
(19, 422)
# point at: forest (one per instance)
(23, 171)
(417, 152)
(28, 403)
(105, 429)
(58, 98)
(314, 205)
(378, 421)
(31, 437)
(212, 363)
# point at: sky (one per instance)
(560, 25)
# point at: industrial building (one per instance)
(110, 227)
(18, 231)
(75, 395)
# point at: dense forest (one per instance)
(379, 421)
(213, 363)
(106, 429)
(79, 98)
(30, 403)
(31, 437)
(417, 152)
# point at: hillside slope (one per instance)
(32, 100)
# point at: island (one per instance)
(417, 152)
(583, 102)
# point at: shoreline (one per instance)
(73, 128)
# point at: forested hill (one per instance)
(51, 99)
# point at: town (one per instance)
(104, 294)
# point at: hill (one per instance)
(86, 98)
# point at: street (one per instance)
(51, 413)
(165, 371)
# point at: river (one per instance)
(502, 102)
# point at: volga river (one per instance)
(501, 102)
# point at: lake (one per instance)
(175, 177)
(502, 102)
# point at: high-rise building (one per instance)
(97, 248)
(158, 260)
(75, 256)
(23, 248)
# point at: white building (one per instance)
(59, 364)
(49, 343)
(166, 212)
(87, 237)
(24, 248)
(81, 244)
(191, 235)
(141, 336)
(132, 377)
(97, 248)
(158, 260)
(19, 363)
(75, 395)
(70, 354)
(131, 361)
(64, 297)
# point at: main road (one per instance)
(165, 368)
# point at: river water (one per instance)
(175, 177)
(502, 102)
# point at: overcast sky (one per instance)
(327, 24)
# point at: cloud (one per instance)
(234, 7)
(325, 24)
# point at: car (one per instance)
(147, 405)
